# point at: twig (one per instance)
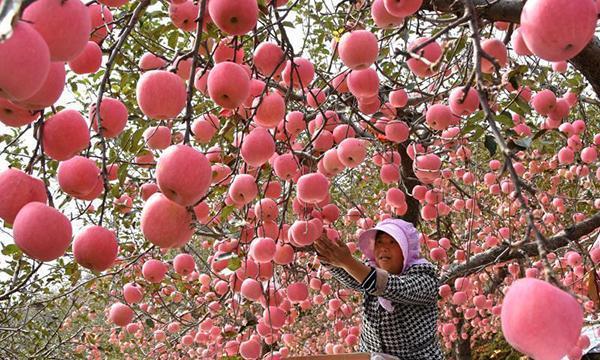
(111, 60)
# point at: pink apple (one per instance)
(65, 135)
(358, 49)
(183, 174)
(183, 14)
(88, 61)
(402, 8)
(78, 176)
(14, 115)
(50, 91)
(382, 18)
(432, 52)
(95, 248)
(228, 85)
(113, 117)
(205, 127)
(161, 94)
(440, 117)
(64, 24)
(17, 189)
(101, 22)
(250, 349)
(120, 314)
(462, 103)
(519, 43)
(133, 293)
(285, 166)
(269, 59)
(427, 167)
(313, 188)
(363, 83)
(251, 289)
(154, 270)
(226, 51)
(234, 17)
(150, 61)
(262, 249)
(157, 137)
(270, 110)
(42, 232)
(352, 152)
(544, 102)
(24, 62)
(243, 189)
(297, 292)
(165, 223)
(557, 30)
(542, 332)
(496, 49)
(298, 74)
(184, 264)
(258, 147)
(398, 98)
(397, 131)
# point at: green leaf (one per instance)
(226, 211)
(124, 138)
(505, 120)
(520, 106)
(122, 173)
(234, 263)
(523, 142)
(478, 132)
(70, 268)
(490, 144)
(137, 135)
(115, 191)
(225, 256)
(150, 323)
(172, 39)
(10, 249)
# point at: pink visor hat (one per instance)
(403, 232)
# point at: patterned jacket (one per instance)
(409, 332)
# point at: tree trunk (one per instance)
(462, 348)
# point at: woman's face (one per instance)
(388, 255)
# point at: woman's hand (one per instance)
(332, 252)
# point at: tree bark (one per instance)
(410, 180)
(587, 61)
(462, 348)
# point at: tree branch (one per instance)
(587, 61)
(502, 253)
(109, 64)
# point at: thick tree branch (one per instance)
(587, 61)
(503, 252)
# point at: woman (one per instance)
(400, 290)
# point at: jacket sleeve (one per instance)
(419, 288)
(343, 277)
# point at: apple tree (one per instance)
(165, 167)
